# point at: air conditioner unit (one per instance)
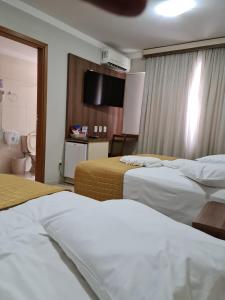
(115, 60)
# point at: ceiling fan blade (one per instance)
(121, 7)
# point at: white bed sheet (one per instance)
(32, 266)
(128, 251)
(169, 192)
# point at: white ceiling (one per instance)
(11, 48)
(148, 30)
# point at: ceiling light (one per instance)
(173, 8)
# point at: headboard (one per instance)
(83, 114)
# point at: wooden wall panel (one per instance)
(83, 114)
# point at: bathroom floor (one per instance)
(28, 175)
(66, 186)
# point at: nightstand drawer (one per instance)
(211, 219)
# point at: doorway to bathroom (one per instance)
(23, 90)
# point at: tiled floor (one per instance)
(67, 186)
(28, 175)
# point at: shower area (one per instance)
(18, 108)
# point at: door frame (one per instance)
(41, 94)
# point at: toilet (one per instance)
(28, 145)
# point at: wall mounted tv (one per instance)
(100, 89)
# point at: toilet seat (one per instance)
(31, 143)
(28, 147)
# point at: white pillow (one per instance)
(219, 158)
(127, 251)
(210, 174)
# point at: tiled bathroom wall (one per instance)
(19, 105)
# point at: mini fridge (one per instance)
(74, 153)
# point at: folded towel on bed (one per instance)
(177, 163)
(141, 161)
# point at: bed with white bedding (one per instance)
(123, 249)
(156, 181)
(169, 191)
(32, 265)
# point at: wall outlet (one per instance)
(104, 129)
(60, 166)
(95, 129)
(99, 128)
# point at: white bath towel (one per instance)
(141, 161)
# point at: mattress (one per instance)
(32, 266)
(102, 179)
(15, 190)
(168, 191)
(115, 245)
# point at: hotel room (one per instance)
(112, 150)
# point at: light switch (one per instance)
(99, 128)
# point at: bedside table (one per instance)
(211, 219)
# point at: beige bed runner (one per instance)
(15, 190)
(102, 179)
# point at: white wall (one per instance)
(137, 65)
(60, 44)
(19, 109)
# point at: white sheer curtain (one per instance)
(210, 125)
(183, 111)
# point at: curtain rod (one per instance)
(185, 47)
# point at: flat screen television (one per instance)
(100, 89)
